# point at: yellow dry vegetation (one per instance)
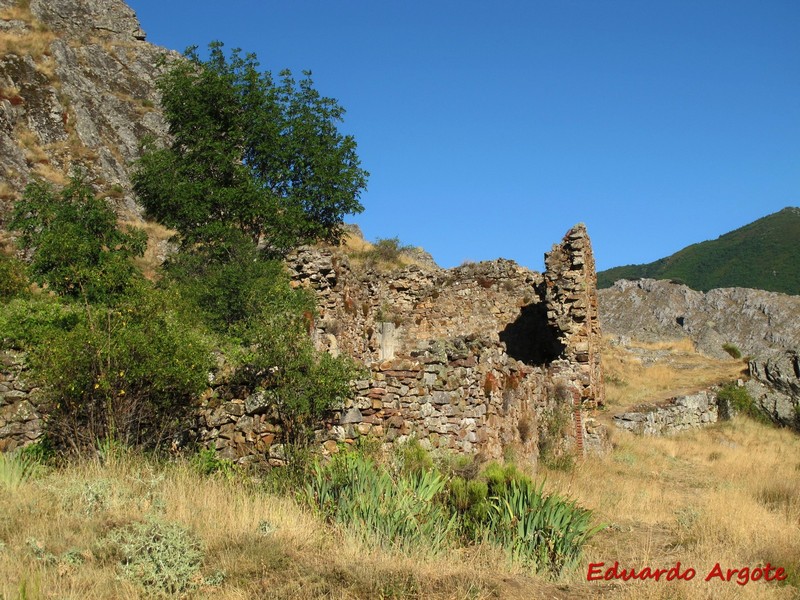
(727, 494)
(55, 529)
(33, 42)
(649, 372)
(157, 236)
(361, 255)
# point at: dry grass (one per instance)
(53, 530)
(645, 372)
(20, 11)
(358, 250)
(157, 236)
(727, 494)
(30, 42)
(6, 191)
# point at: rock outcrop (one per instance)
(77, 87)
(775, 387)
(759, 323)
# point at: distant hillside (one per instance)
(762, 255)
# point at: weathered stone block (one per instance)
(351, 416)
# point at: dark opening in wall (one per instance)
(531, 338)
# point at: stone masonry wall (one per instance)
(477, 359)
(679, 414)
(20, 419)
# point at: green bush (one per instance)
(30, 322)
(400, 512)
(504, 507)
(78, 249)
(387, 251)
(742, 402)
(127, 373)
(545, 532)
(163, 557)
(231, 285)
(15, 469)
(301, 383)
(422, 509)
(13, 281)
(208, 462)
(733, 350)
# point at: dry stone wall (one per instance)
(20, 418)
(478, 360)
(475, 359)
(678, 414)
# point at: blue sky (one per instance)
(490, 128)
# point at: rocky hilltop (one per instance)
(77, 87)
(759, 323)
(762, 325)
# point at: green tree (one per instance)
(299, 382)
(249, 154)
(231, 282)
(78, 249)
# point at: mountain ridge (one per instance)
(761, 255)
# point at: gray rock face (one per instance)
(759, 323)
(87, 98)
(79, 16)
(775, 386)
(764, 325)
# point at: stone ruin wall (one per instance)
(676, 415)
(474, 359)
(482, 358)
(20, 419)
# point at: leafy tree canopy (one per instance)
(249, 154)
(78, 250)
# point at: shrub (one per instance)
(16, 469)
(78, 250)
(231, 285)
(27, 323)
(301, 383)
(504, 507)
(400, 512)
(545, 532)
(127, 373)
(742, 402)
(13, 281)
(733, 350)
(163, 557)
(554, 423)
(208, 462)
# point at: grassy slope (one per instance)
(729, 493)
(763, 255)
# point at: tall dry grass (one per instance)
(647, 372)
(729, 494)
(54, 535)
(726, 494)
